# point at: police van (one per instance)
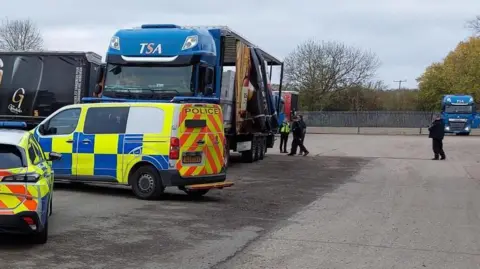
(148, 146)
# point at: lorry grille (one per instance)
(457, 126)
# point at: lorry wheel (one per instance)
(256, 142)
(42, 236)
(261, 150)
(248, 156)
(226, 154)
(146, 183)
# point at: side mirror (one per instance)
(208, 91)
(54, 156)
(209, 76)
(98, 89)
(41, 129)
(99, 75)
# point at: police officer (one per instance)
(304, 131)
(437, 133)
(297, 132)
(284, 132)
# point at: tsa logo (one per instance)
(150, 48)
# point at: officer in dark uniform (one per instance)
(297, 132)
(304, 129)
(437, 133)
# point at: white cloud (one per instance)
(407, 35)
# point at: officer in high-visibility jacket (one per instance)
(284, 132)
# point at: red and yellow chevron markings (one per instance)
(212, 133)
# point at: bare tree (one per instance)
(20, 35)
(474, 25)
(320, 69)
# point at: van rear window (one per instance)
(10, 157)
(195, 123)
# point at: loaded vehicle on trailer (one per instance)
(35, 84)
(458, 113)
(169, 63)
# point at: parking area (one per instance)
(355, 200)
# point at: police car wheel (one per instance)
(146, 183)
(42, 236)
(50, 207)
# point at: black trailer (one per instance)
(35, 84)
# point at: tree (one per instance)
(458, 73)
(20, 35)
(474, 25)
(319, 69)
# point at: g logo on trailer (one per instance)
(17, 100)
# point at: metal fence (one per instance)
(399, 119)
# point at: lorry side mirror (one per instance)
(209, 76)
(98, 89)
(99, 75)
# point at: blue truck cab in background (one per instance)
(458, 112)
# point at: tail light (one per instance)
(174, 148)
(31, 177)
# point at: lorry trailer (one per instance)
(170, 63)
(35, 84)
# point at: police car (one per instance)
(26, 183)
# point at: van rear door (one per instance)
(201, 140)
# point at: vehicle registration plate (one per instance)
(192, 157)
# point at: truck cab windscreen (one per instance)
(458, 109)
(153, 81)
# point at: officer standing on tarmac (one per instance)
(304, 129)
(284, 132)
(437, 133)
(297, 132)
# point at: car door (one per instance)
(100, 142)
(57, 134)
(41, 189)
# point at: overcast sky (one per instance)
(407, 35)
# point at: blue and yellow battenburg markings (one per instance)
(106, 154)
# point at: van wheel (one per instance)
(42, 236)
(195, 193)
(146, 183)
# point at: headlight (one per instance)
(115, 43)
(447, 128)
(190, 42)
(467, 128)
(32, 177)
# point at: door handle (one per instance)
(69, 141)
(86, 141)
(201, 142)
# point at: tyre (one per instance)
(226, 154)
(261, 150)
(42, 236)
(146, 183)
(256, 142)
(50, 206)
(249, 155)
(196, 193)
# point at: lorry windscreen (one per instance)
(458, 109)
(149, 79)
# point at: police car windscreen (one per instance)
(10, 157)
